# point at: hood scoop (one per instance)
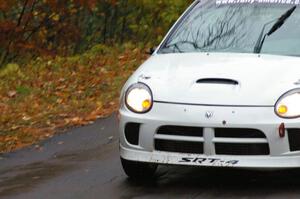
(217, 81)
(224, 79)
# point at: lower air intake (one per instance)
(179, 146)
(238, 133)
(181, 131)
(242, 149)
(132, 131)
(294, 139)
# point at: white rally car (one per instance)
(222, 90)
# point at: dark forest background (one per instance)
(30, 28)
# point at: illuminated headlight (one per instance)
(139, 98)
(288, 106)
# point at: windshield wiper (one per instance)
(280, 21)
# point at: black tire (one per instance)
(138, 170)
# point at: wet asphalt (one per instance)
(84, 163)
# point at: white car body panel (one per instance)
(175, 76)
(180, 101)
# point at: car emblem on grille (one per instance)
(209, 114)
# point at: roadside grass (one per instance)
(48, 95)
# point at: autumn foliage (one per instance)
(31, 28)
(63, 62)
(48, 95)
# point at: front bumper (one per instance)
(261, 118)
(263, 162)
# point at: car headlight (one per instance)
(288, 105)
(138, 98)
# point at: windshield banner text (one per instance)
(289, 2)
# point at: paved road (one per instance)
(84, 163)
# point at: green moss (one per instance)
(23, 90)
(11, 71)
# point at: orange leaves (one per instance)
(7, 26)
(91, 4)
(26, 45)
(24, 137)
(52, 3)
(30, 28)
(5, 4)
(3, 107)
(113, 2)
(62, 92)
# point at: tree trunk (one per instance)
(5, 54)
(124, 21)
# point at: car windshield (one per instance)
(236, 26)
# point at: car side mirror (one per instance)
(151, 50)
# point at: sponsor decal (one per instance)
(209, 161)
(289, 2)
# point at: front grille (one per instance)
(179, 146)
(294, 139)
(241, 149)
(238, 133)
(168, 139)
(181, 131)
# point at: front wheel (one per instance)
(138, 170)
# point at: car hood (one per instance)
(255, 80)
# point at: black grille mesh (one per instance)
(238, 133)
(220, 148)
(294, 139)
(241, 149)
(181, 131)
(179, 146)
